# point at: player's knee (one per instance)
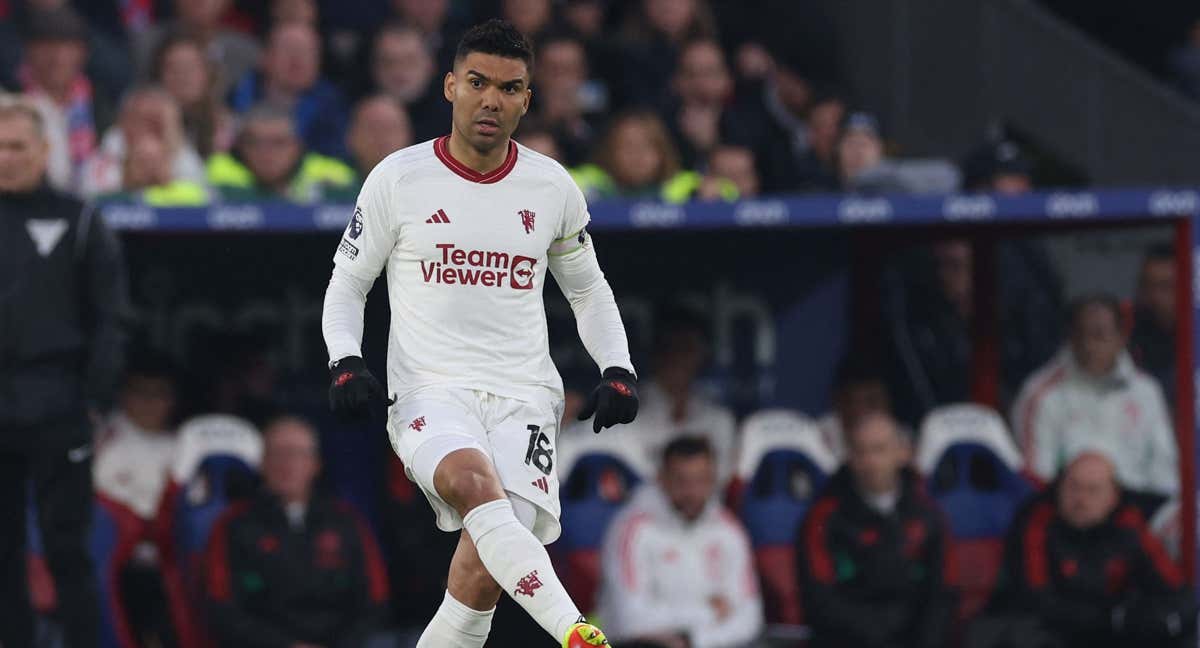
(467, 488)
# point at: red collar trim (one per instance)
(441, 148)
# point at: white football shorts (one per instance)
(519, 436)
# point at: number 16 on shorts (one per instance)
(539, 454)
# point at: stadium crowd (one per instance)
(690, 527)
(187, 103)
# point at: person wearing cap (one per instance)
(52, 73)
(1081, 569)
(861, 165)
(64, 301)
(1092, 394)
(1000, 167)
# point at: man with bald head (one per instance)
(293, 567)
(874, 566)
(1082, 569)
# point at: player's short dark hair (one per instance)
(678, 318)
(496, 37)
(687, 447)
(1107, 301)
(150, 364)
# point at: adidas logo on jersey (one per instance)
(438, 217)
(541, 483)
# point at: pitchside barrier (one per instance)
(777, 275)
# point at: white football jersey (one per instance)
(466, 256)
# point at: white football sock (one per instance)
(456, 626)
(520, 564)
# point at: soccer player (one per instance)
(467, 226)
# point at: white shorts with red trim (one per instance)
(520, 438)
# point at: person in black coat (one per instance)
(63, 297)
(291, 567)
(1081, 569)
(875, 568)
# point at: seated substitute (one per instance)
(1082, 569)
(875, 568)
(678, 569)
(292, 567)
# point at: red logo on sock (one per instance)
(528, 583)
(417, 424)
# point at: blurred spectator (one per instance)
(817, 166)
(147, 112)
(672, 404)
(269, 161)
(875, 569)
(862, 166)
(378, 128)
(702, 87)
(403, 67)
(530, 17)
(438, 27)
(636, 159)
(560, 78)
(232, 54)
(929, 307)
(532, 134)
(858, 390)
(107, 64)
(1092, 396)
(649, 48)
(295, 11)
(1000, 167)
(1083, 570)
(770, 118)
(293, 567)
(135, 453)
(1184, 63)
(146, 177)
(1153, 340)
(64, 298)
(731, 174)
(860, 157)
(182, 69)
(587, 20)
(52, 74)
(678, 570)
(289, 77)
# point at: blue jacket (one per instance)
(321, 113)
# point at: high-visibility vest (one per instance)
(596, 183)
(315, 172)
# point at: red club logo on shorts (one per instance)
(527, 220)
(417, 424)
(620, 387)
(528, 583)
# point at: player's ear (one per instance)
(448, 87)
(528, 96)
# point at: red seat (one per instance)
(978, 567)
(776, 567)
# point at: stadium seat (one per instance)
(115, 532)
(217, 460)
(600, 472)
(783, 464)
(972, 469)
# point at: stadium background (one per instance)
(787, 280)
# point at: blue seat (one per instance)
(219, 480)
(977, 491)
(783, 465)
(595, 490)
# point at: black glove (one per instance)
(353, 388)
(613, 401)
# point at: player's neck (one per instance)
(468, 156)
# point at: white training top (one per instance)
(466, 256)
